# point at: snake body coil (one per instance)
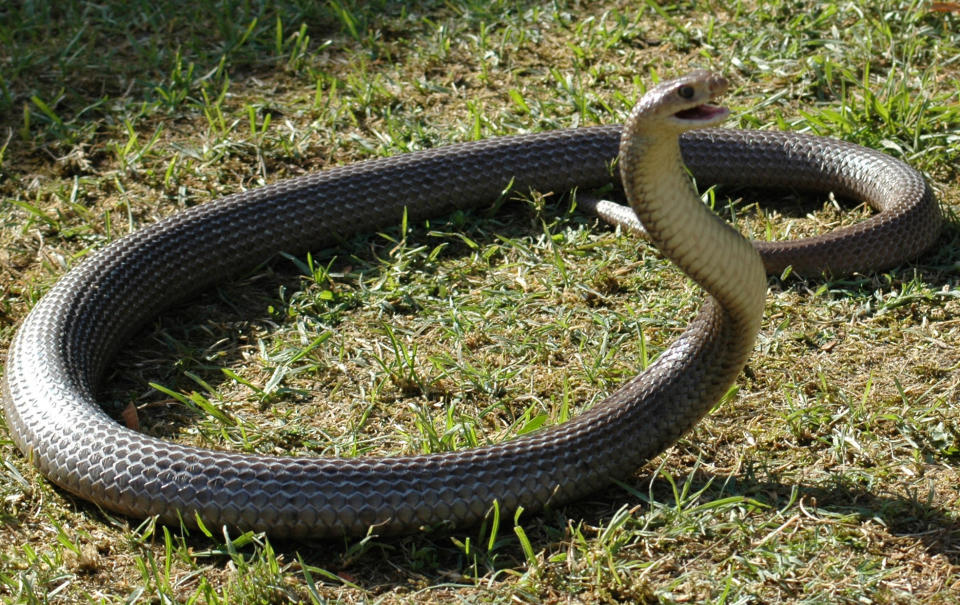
(65, 344)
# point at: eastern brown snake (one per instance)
(65, 344)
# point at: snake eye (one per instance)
(686, 91)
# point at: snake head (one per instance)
(684, 103)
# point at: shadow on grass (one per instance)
(63, 61)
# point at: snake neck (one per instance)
(699, 242)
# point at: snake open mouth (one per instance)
(702, 113)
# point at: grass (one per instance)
(828, 475)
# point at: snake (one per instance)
(67, 341)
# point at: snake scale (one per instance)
(67, 341)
